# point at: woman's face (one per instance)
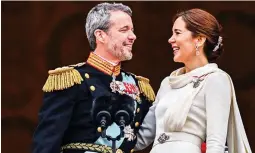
(182, 42)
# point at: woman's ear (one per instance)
(100, 35)
(201, 41)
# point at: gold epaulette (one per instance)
(62, 78)
(145, 87)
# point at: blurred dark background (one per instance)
(38, 36)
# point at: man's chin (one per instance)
(127, 57)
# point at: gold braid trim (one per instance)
(145, 87)
(78, 65)
(62, 78)
(88, 147)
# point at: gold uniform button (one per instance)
(92, 88)
(119, 151)
(137, 124)
(86, 75)
(99, 129)
(138, 110)
(132, 150)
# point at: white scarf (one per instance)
(236, 138)
(176, 115)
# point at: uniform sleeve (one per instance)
(54, 118)
(147, 131)
(218, 100)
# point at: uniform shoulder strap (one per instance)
(63, 78)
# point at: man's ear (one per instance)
(100, 35)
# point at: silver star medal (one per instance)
(129, 133)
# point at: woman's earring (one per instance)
(197, 51)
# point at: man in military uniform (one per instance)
(70, 92)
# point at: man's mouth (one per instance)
(128, 46)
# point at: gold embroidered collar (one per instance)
(103, 65)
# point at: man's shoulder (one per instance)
(144, 86)
(64, 77)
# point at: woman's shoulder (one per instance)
(219, 74)
(218, 85)
(165, 81)
(219, 77)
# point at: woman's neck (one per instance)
(195, 63)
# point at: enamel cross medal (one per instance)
(124, 87)
(113, 84)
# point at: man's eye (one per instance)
(123, 30)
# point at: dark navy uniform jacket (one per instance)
(65, 116)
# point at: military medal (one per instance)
(129, 133)
(125, 88)
(196, 83)
(198, 80)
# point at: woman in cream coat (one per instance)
(197, 102)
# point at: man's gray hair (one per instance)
(98, 18)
